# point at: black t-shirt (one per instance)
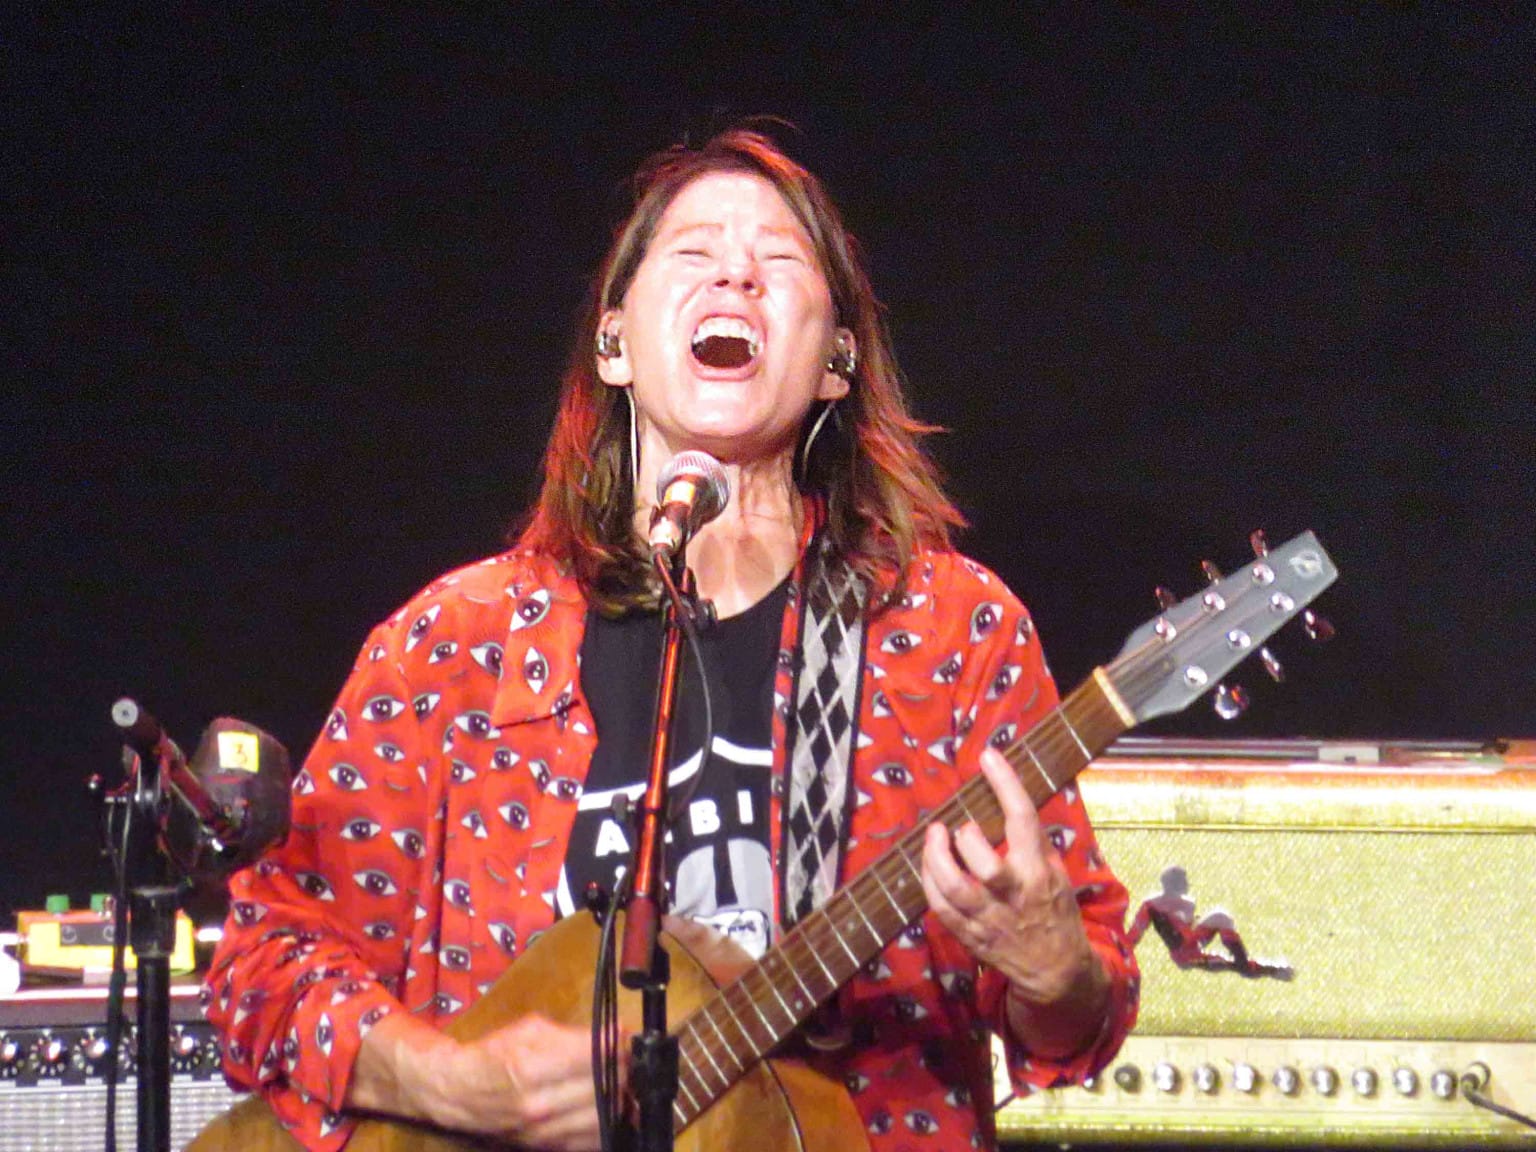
(718, 866)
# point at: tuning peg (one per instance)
(1271, 663)
(1317, 628)
(1164, 597)
(1231, 701)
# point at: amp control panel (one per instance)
(1244, 1090)
(53, 1092)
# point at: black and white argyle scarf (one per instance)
(822, 732)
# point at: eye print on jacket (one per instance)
(421, 626)
(476, 825)
(347, 778)
(921, 1122)
(1061, 837)
(949, 671)
(1007, 676)
(893, 775)
(535, 671)
(565, 787)
(314, 884)
(505, 938)
(382, 708)
(360, 829)
(478, 725)
(248, 912)
(984, 621)
(530, 610)
(488, 656)
(410, 842)
(389, 753)
(374, 882)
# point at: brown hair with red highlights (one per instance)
(881, 491)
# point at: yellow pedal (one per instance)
(81, 941)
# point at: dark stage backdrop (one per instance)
(286, 297)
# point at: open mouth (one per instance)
(725, 342)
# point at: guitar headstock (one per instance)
(1175, 658)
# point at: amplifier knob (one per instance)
(1165, 1077)
(10, 1056)
(1245, 1078)
(1364, 1081)
(1325, 1081)
(1206, 1078)
(1128, 1078)
(1406, 1081)
(1287, 1080)
(184, 1050)
(92, 1055)
(48, 1056)
(1443, 1084)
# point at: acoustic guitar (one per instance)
(735, 1011)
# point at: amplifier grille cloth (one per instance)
(71, 1118)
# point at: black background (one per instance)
(286, 296)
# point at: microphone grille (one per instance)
(708, 473)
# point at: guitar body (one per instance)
(774, 1107)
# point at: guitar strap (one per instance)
(822, 732)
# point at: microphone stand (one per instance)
(155, 764)
(643, 963)
(152, 936)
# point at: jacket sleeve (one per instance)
(1003, 690)
(314, 949)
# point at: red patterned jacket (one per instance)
(430, 824)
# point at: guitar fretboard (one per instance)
(751, 1016)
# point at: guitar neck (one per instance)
(750, 1017)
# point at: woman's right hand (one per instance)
(529, 1081)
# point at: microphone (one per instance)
(231, 800)
(690, 492)
(244, 772)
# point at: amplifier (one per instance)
(1336, 944)
(53, 1097)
